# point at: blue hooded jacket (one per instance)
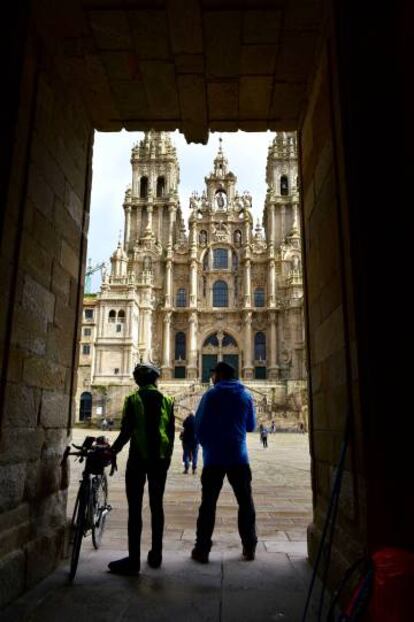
(224, 415)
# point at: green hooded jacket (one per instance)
(148, 423)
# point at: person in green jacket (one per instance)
(148, 425)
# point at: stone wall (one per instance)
(331, 340)
(43, 243)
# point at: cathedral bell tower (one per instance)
(154, 189)
(282, 187)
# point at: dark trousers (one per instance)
(240, 478)
(190, 454)
(136, 475)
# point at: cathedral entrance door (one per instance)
(208, 362)
(219, 346)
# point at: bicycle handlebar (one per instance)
(83, 453)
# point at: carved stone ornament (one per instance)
(181, 247)
(221, 232)
(285, 356)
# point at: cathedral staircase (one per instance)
(188, 397)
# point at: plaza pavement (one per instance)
(273, 587)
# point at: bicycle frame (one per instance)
(87, 514)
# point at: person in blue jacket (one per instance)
(225, 413)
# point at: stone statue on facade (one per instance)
(295, 263)
(105, 272)
(247, 199)
(220, 199)
(202, 238)
(194, 201)
(204, 201)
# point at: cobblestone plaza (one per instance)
(273, 587)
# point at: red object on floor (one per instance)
(392, 597)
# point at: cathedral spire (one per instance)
(220, 161)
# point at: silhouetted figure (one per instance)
(224, 415)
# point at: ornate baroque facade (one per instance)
(224, 290)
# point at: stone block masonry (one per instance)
(41, 277)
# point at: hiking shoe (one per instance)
(124, 566)
(194, 470)
(249, 553)
(199, 556)
(154, 559)
(185, 471)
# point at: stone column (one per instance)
(193, 283)
(127, 231)
(210, 258)
(282, 222)
(148, 333)
(272, 283)
(193, 267)
(295, 217)
(149, 219)
(145, 336)
(248, 365)
(192, 346)
(172, 214)
(128, 321)
(247, 231)
(166, 347)
(272, 236)
(168, 282)
(247, 283)
(272, 347)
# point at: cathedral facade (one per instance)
(221, 289)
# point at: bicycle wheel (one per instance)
(78, 528)
(100, 508)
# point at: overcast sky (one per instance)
(246, 153)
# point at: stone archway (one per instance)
(219, 346)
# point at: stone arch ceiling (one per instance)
(188, 64)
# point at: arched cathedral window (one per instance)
(121, 316)
(220, 258)
(260, 347)
(181, 300)
(220, 294)
(180, 346)
(143, 188)
(259, 297)
(112, 315)
(284, 185)
(160, 186)
(228, 340)
(211, 341)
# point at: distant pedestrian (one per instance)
(273, 428)
(104, 424)
(224, 415)
(263, 436)
(190, 443)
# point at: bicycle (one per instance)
(91, 506)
